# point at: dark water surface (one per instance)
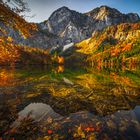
(69, 104)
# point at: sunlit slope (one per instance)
(15, 36)
(115, 43)
(12, 29)
(10, 21)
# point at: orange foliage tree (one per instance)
(8, 51)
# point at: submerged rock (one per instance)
(36, 111)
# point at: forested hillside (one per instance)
(119, 43)
(13, 29)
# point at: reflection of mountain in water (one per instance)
(72, 99)
(101, 92)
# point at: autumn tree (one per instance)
(17, 6)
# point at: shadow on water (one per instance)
(69, 103)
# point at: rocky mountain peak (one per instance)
(70, 25)
(105, 8)
(63, 8)
(65, 25)
(133, 16)
(100, 13)
(66, 20)
(106, 16)
(60, 12)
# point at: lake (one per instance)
(58, 103)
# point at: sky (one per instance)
(42, 9)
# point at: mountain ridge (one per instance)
(63, 27)
(74, 26)
(115, 44)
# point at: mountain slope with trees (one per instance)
(20, 40)
(119, 43)
(14, 30)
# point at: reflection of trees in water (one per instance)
(6, 77)
(127, 77)
(66, 98)
(102, 104)
(96, 92)
(59, 69)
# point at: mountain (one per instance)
(23, 32)
(18, 39)
(72, 26)
(63, 26)
(105, 16)
(116, 43)
(60, 32)
(69, 25)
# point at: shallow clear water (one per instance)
(69, 103)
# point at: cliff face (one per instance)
(106, 16)
(69, 25)
(72, 26)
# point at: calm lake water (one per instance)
(69, 103)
